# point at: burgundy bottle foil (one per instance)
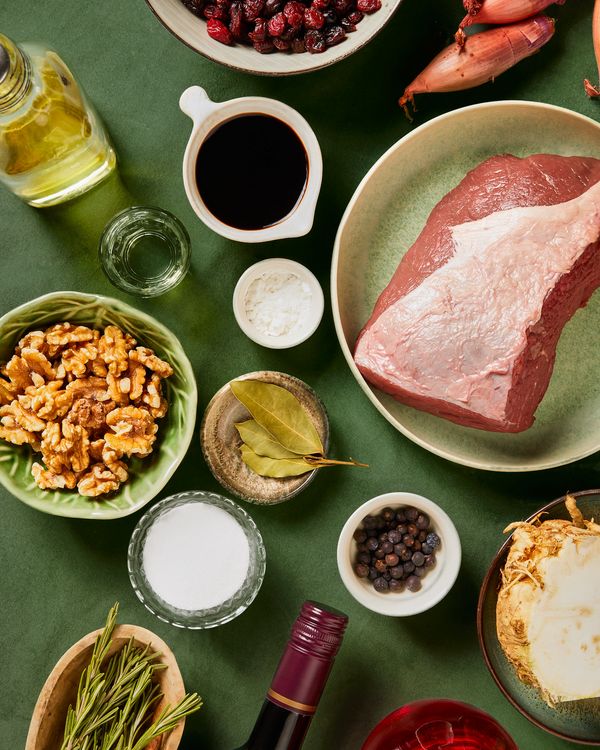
(307, 660)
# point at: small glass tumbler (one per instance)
(145, 251)
(198, 619)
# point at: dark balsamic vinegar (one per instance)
(251, 171)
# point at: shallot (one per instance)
(500, 12)
(487, 55)
(590, 89)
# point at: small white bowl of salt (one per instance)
(177, 566)
(278, 303)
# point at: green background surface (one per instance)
(58, 577)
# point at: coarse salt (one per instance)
(196, 556)
(278, 303)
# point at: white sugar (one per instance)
(196, 556)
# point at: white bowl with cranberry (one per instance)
(431, 535)
(274, 37)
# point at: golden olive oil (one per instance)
(53, 146)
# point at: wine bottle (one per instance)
(299, 679)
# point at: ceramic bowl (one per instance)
(436, 584)
(576, 721)
(383, 219)
(221, 442)
(308, 323)
(207, 116)
(47, 726)
(192, 31)
(147, 476)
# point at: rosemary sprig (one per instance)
(117, 698)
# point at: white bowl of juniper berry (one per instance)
(439, 579)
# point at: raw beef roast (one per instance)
(468, 326)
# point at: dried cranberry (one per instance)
(330, 16)
(334, 35)
(218, 31)
(298, 45)
(347, 26)
(252, 9)
(289, 34)
(294, 13)
(355, 17)
(343, 7)
(224, 4)
(281, 44)
(314, 42)
(277, 25)
(313, 19)
(368, 6)
(236, 24)
(195, 6)
(260, 31)
(264, 47)
(272, 7)
(320, 4)
(213, 11)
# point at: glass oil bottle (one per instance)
(53, 146)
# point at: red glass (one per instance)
(438, 725)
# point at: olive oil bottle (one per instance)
(53, 146)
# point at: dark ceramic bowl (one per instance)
(576, 721)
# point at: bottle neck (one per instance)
(15, 75)
(278, 729)
(299, 681)
(308, 658)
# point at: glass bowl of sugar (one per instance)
(182, 571)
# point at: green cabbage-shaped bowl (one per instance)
(146, 476)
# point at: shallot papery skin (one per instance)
(485, 57)
(591, 90)
(499, 12)
(473, 6)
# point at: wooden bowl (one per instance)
(60, 689)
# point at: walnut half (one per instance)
(85, 399)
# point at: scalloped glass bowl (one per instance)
(147, 476)
(206, 618)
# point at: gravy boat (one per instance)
(207, 116)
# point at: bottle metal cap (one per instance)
(319, 630)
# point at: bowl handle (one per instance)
(194, 102)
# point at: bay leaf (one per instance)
(281, 414)
(274, 467)
(261, 441)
